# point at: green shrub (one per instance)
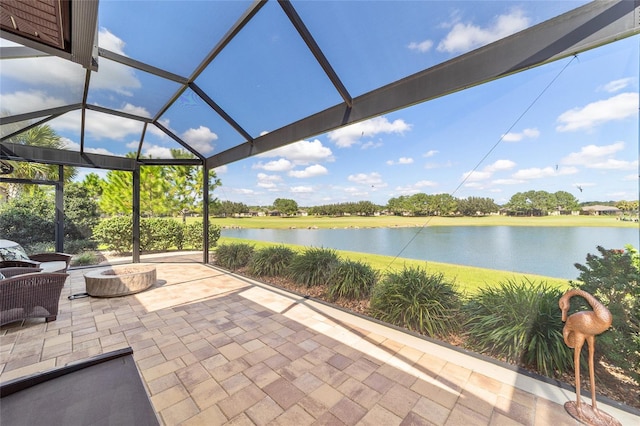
(28, 220)
(613, 277)
(271, 261)
(83, 259)
(352, 280)
(521, 323)
(233, 256)
(314, 266)
(41, 247)
(79, 246)
(160, 234)
(192, 235)
(414, 299)
(70, 246)
(116, 233)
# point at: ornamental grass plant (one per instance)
(418, 300)
(352, 280)
(233, 256)
(271, 261)
(521, 322)
(314, 266)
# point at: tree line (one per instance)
(176, 190)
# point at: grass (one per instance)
(399, 221)
(469, 279)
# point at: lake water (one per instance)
(550, 251)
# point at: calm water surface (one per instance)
(549, 251)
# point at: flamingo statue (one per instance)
(580, 327)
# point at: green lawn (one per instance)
(468, 279)
(398, 221)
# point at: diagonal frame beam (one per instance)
(297, 22)
(586, 27)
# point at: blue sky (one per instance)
(559, 127)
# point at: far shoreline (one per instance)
(354, 222)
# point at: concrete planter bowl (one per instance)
(120, 280)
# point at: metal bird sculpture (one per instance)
(579, 328)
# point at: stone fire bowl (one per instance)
(120, 280)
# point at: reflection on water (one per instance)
(550, 251)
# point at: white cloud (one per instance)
(109, 41)
(366, 179)
(422, 46)
(507, 181)
(407, 190)
(617, 85)
(476, 175)
(599, 157)
(302, 152)
(371, 144)
(49, 72)
(415, 188)
(243, 191)
(74, 146)
(401, 160)
(156, 130)
(280, 165)
(517, 137)
(613, 164)
(301, 189)
(63, 78)
(135, 110)
(465, 37)
(617, 107)
(430, 153)
(114, 76)
(27, 101)
(500, 165)
(156, 151)
(488, 171)
(538, 173)
(221, 170)
(474, 185)
(201, 139)
(424, 183)
(311, 171)
(100, 126)
(349, 135)
(268, 181)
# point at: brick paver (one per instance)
(215, 349)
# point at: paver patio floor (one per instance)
(215, 348)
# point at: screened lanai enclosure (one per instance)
(129, 85)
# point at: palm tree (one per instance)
(42, 136)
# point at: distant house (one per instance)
(598, 210)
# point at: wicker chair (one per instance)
(18, 270)
(33, 295)
(49, 262)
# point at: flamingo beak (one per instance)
(564, 315)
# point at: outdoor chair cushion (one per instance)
(13, 255)
(10, 250)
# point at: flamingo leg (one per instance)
(576, 364)
(591, 341)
